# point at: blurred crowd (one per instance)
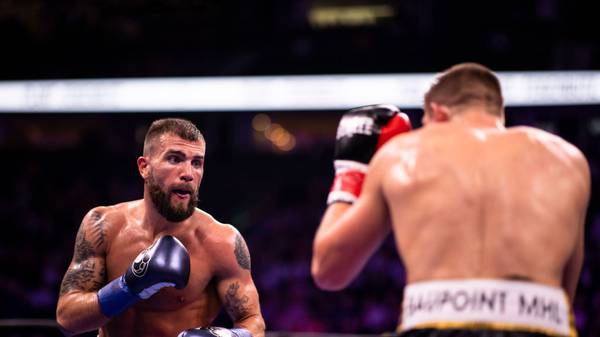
(58, 167)
(82, 39)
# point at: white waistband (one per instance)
(498, 304)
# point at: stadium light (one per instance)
(278, 93)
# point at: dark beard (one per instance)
(162, 202)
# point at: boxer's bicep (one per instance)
(237, 291)
(87, 271)
(239, 298)
(77, 309)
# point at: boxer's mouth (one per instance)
(182, 193)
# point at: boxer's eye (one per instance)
(197, 163)
(173, 159)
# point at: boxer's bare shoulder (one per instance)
(553, 151)
(553, 143)
(405, 145)
(220, 238)
(399, 147)
(397, 160)
(207, 228)
(117, 213)
(108, 221)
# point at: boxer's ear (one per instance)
(143, 167)
(439, 112)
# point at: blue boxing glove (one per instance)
(215, 332)
(166, 263)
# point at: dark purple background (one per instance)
(58, 166)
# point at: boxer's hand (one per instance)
(361, 132)
(215, 332)
(166, 263)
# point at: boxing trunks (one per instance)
(482, 307)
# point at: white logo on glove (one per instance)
(140, 264)
(139, 267)
(351, 125)
(220, 332)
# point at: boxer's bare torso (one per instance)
(474, 201)
(471, 205)
(111, 238)
(465, 199)
(94, 296)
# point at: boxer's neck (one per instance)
(478, 118)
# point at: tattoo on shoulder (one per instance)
(241, 252)
(97, 223)
(236, 303)
(83, 248)
(84, 274)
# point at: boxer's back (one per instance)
(499, 203)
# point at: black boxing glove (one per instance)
(215, 332)
(166, 263)
(361, 132)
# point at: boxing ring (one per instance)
(265, 93)
(46, 327)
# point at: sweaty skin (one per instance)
(466, 198)
(111, 237)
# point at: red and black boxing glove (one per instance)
(361, 132)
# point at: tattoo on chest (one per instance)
(241, 252)
(236, 303)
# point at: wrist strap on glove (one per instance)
(115, 297)
(348, 181)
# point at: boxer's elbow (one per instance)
(73, 318)
(66, 325)
(70, 326)
(257, 327)
(329, 281)
(327, 276)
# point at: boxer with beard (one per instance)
(159, 266)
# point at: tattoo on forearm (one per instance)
(97, 225)
(241, 252)
(236, 304)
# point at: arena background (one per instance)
(58, 165)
